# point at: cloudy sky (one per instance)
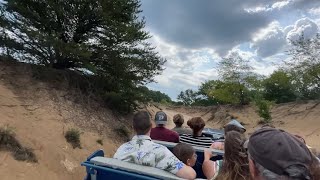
(193, 35)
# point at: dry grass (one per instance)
(8, 142)
(73, 137)
(100, 141)
(123, 132)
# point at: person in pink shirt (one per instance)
(160, 132)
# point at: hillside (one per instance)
(40, 115)
(41, 112)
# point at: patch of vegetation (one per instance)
(263, 111)
(100, 141)
(73, 137)
(8, 142)
(122, 131)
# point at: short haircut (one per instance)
(178, 119)
(141, 122)
(232, 127)
(196, 124)
(183, 152)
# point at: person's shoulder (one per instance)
(169, 131)
(156, 146)
(173, 132)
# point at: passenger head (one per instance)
(142, 123)
(178, 120)
(185, 153)
(160, 119)
(267, 125)
(300, 138)
(196, 124)
(276, 154)
(234, 125)
(235, 160)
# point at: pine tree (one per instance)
(103, 36)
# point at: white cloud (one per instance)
(185, 68)
(315, 11)
(303, 26)
(267, 8)
(269, 40)
(280, 4)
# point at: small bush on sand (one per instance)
(99, 141)
(73, 137)
(263, 110)
(25, 154)
(8, 142)
(123, 131)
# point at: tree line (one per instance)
(298, 78)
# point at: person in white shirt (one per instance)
(142, 150)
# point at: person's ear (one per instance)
(189, 162)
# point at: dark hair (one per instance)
(178, 120)
(196, 124)
(235, 160)
(141, 122)
(183, 152)
(232, 127)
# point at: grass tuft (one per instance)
(73, 137)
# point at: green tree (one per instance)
(263, 109)
(228, 92)
(106, 37)
(304, 66)
(234, 70)
(155, 96)
(279, 88)
(188, 97)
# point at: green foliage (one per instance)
(263, 109)
(230, 93)
(155, 96)
(106, 37)
(234, 71)
(73, 137)
(304, 66)
(187, 97)
(9, 142)
(204, 91)
(279, 88)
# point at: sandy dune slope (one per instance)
(41, 113)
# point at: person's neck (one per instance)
(198, 133)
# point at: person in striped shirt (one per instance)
(196, 138)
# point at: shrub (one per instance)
(8, 142)
(99, 141)
(263, 110)
(73, 137)
(25, 154)
(123, 131)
